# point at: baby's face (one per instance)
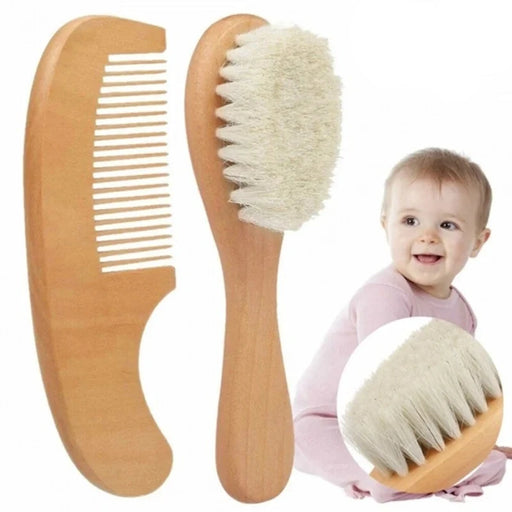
(431, 231)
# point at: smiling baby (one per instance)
(435, 212)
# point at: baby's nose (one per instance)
(429, 236)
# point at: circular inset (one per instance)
(420, 402)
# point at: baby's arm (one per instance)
(320, 449)
(504, 449)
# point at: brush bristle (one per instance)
(431, 386)
(283, 117)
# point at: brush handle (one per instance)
(254, 426)
(460, 456)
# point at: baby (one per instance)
(435, 211)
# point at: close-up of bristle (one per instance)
(432, 386)
(131, 168)
(283, 113)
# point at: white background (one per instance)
(416, 73)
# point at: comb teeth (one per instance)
(130, 164)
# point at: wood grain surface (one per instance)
(88, 324)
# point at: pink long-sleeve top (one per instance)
(319, 446)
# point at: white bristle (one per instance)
(424, 393)
(282, 133)
(130, 188)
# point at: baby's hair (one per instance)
(442, 165)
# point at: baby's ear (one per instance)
(480, 241)
(383, 221)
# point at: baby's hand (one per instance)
(506, 450)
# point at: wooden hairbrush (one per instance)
(97, 219)
(298, 117)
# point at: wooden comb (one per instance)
(96, 202)
(254, 449)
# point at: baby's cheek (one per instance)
(462, 252)
(398, 246)
(398, 239)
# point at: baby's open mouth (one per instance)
(428, 258)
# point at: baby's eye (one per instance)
(410, 221)
(449, 225)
